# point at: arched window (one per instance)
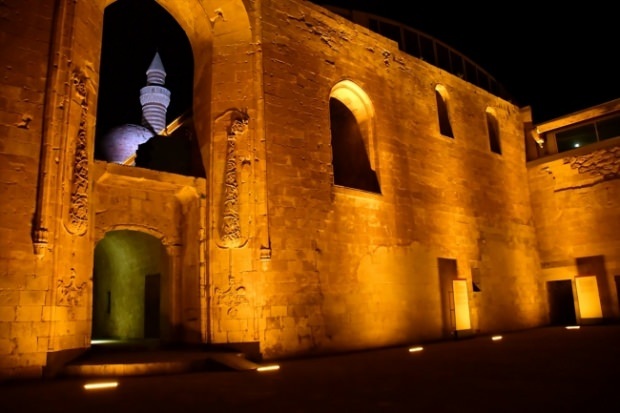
(493, 131)
(445, 127)
(352, 138)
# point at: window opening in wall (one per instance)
(493, 131)
(608, 128)
(586, 134)
(139, 35)
(350, 161)
(445, 128)
(575, 138)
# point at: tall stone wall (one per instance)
(576, 204)
(24, 288)
(51, 51)
(351, 269)
(279, 255)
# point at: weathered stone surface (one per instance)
(266, 249)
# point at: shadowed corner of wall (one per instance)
(57, 360)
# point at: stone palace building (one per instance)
(278, 174)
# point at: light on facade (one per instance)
(415, 349)
(496, 338)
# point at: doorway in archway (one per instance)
(129, 287)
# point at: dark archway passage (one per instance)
(130, 287)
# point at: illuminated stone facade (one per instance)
(266, 249)
(576, 205)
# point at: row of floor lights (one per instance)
(271, 367)
(114, 384)
(493, 338)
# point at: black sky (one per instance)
(558, 58)
(133, 31)
(556, 61)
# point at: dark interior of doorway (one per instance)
(561, 303)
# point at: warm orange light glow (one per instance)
(415, 349)
(103, 385)
(573, 327)
(588, 295)
(461, 305)
(102, 341)
(496, 338)
(269, 368)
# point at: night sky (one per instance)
(133, 31)
(557, 60)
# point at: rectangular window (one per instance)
(609, 128)
(576, 137)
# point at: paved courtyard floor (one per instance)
(549, 369)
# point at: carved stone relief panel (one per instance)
(77, 219)
(69, 292)
(231, 229)
(232, 297)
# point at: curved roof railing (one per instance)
(427, 48)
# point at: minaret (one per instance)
(154, 97)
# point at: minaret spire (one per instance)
(154, 97)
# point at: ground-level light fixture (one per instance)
(416, 349)
(101, 385)
(271, 367)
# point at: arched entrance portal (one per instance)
(130, 287)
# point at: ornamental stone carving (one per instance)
(77, 219)
(231, 227)
(231, 297)
(69, 292)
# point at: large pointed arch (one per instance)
(213, 27)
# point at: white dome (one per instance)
(121, 142)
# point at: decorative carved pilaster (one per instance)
(55, 117)
(231, 227)
(77, 219)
